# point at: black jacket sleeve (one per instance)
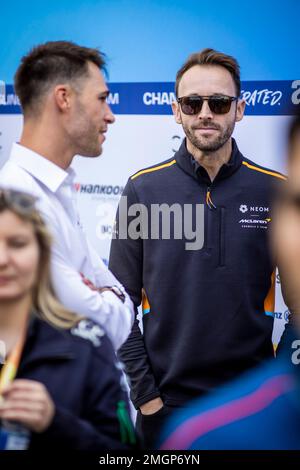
(103, 422)
(126, 263)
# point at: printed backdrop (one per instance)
(146, 43)
(146, 133)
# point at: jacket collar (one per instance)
(188, 164)
(42, 169)
(45, 342)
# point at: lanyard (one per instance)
(9, 370)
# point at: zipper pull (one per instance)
(208, 199)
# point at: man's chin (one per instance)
(91, 154)
(207, 146)
(211, 148)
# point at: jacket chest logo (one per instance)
(253, 216)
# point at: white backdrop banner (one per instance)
(145, 133)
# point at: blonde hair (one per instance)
(45, 303)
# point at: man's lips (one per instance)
(5, 279)
(102, 133)
(206, 129)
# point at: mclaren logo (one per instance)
(243, 208)
(254, 221)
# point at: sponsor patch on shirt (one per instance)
(254, 216)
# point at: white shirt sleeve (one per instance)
(104, 277)
(105, 308)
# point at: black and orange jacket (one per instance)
(207, 313)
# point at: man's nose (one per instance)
(205, 111)
(109, 115)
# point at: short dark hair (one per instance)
(211, 57)
(50, 63)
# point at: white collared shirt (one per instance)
(71, 252)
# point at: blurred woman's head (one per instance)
(294, 155)
(25, 251)
(294, 138)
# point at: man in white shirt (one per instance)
(63, 94)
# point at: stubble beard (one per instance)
(88, 139)
(210, 144)
(86, 135)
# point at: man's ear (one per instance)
(240, 109)
(176, 112)
(63, 95)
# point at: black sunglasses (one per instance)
(191, 105)
(22, 203)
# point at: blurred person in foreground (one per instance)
(62, 92)
(262, 409)
(60, 384)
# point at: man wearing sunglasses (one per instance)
(207, 312)
(260, 410)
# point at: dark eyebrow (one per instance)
(104, 94)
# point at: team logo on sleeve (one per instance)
(88, 330)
